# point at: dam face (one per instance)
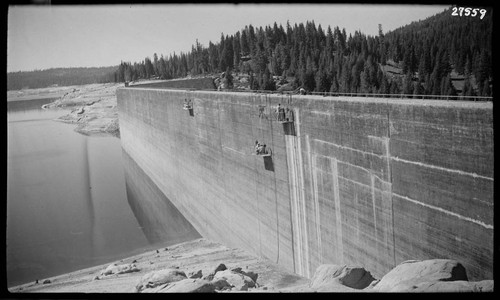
(357, 181)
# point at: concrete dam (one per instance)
(358, 181)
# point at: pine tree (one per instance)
(334, 88)
(408, 84)
(468, 90)
(323, 83)
(486, 89)
(228, 78)
(417, 88)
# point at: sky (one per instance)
(43, 37)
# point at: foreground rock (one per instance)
(175, 281)
(156, 280)
(351, 277)
(197, 285)
(120, 269)
(436, 275)
(337, 279)
(237, 281)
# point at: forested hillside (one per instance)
(442, 55)
(59, 76)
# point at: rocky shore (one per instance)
(205, 266)
(93, 106)
(94, 109)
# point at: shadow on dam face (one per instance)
(159, 219)
(268, 163)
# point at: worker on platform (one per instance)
(281, 113)
(289, 113)
(260, 149)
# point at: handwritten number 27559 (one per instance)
(467, 11)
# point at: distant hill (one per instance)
(59, 77)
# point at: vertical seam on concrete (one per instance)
(294, 210)
(297, 207)
(338, 214)
(289, 149)
(222, 161)
(372, 178)
(389, 175)
(256, 187)
(318, 215)
(303, 211)
(314, 190)
(275, 197)
(288, 141)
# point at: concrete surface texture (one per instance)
(354, 181)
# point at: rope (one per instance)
(275, 195)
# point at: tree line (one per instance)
(59, 76)
(329, 60)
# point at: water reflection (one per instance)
(160, 220)
(87, 191)
(27, 105)
(66, 198)
(74, 201)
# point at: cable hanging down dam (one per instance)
(358, 181)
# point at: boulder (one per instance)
(120, 269)
(250, 274)
(157, 278)
(458, 286)
(197, 274)
(352, 277)
(239, 281)
(411, 275)
(220, 267)
(196, 285)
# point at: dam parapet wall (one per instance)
(372, 182)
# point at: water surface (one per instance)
(67, 205)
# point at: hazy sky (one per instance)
(42, 37)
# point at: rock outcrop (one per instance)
(154, 279)
(238, 281)
(352, 277)
(196, 285)
(119, 269)
(175, 281)
(435, 275)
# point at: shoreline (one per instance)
(190, 257)
(197, 264)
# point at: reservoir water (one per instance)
(69, 205)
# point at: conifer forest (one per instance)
(421, 58)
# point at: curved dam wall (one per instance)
(371, 182)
